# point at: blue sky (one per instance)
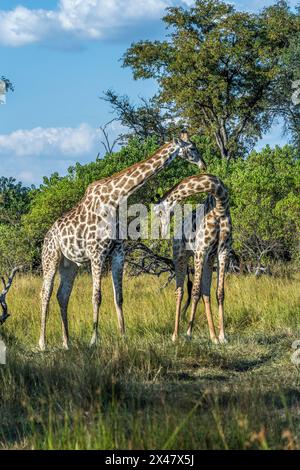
(61, 55)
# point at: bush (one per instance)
(264, 198)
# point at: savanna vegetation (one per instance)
(144, 392)
(228, 75)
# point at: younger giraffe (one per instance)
(85, 234)
(212, 239)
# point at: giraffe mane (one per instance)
(186, 180)
(132, 167)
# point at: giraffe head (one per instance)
(188, 150)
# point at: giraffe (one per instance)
(212, 240)
(84, 234)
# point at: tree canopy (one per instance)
(218, 68)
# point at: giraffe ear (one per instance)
(184, 135)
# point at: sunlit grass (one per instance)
(144, 391)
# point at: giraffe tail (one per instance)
(189, 292)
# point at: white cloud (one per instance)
(62, 141)
(94, 18)
(28, 155)
(91, 19)
(22, 26)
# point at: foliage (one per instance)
(14, 200)
(14, 203)
(265, 204)
(286, 91)
(218, 68)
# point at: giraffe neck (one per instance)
(131, 179)
(198, 184)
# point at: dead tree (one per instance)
(141, 259)
(107, 144)
(7, 284)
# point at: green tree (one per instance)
(217, 69)
(14, 200)
(286, 92)
(14, 203)
(265, 204)
(143, 121)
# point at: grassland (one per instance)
(144, 392)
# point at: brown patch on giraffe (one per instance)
(128, 184)
(156, 164)
(115, 195)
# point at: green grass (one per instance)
(144, 392)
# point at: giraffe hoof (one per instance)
(174, 338)
(215, 340)
(223, 340)
(42, 345)
(188, 337)
(94, 342)
(66, 347)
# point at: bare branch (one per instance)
(142, 260)
(108, 146)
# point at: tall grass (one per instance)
(145, 392)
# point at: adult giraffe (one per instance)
(75, 238)
(212, 240)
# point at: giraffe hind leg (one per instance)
(189, 294)
(67, 271)
(196, 292)
(222, 260)
(97, 267)
(205, 289)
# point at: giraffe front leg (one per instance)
(49, 269)
(96, 266)
(196, 291)
(222, 259)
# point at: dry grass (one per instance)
(144, 392)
